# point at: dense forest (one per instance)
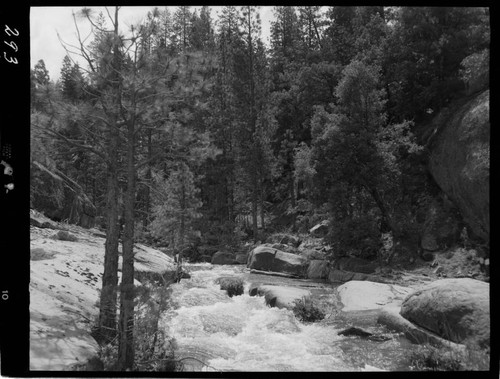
(189, 132)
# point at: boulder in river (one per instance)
(456, 309)
(223, 258)
(266, 258)
(280, 296)
(354, 331)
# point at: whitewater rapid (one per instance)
(214, 332)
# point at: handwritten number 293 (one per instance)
(11, 44)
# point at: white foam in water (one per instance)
(243, 334)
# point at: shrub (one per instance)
(431, 358)
(38, 254)
(154, 349)
(63, 235)
(306, 311)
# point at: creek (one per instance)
(215, 332)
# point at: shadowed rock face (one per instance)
(459, 162)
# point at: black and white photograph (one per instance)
(233, 189)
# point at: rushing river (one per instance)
(242, 333)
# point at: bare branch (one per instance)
(56, 134)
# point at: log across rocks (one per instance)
(266, 258)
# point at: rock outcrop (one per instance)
(460, 161)
(266, 258)
(455, 309)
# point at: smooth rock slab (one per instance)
(365, 295)
(455, 309)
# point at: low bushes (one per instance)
(306, 311)
(431, 358)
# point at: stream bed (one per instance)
(214, 332)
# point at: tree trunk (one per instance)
(107, 309)
(147, 194)
(261, 200)
(126, 325)
(291, 183)
(254, 210)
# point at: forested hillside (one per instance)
(190, 133)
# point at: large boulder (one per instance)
(460, 160)
(318, 269)
(266, 258)
(280, 296)
(223, 258)
(364, 295)
(455, 309)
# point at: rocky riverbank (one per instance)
(67, 264)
